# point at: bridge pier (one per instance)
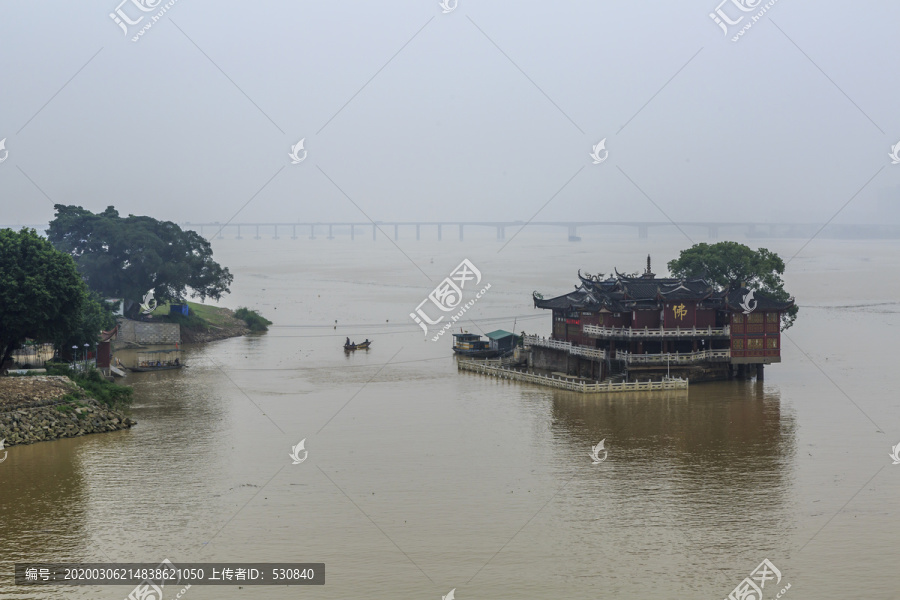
(330, 233)
(643, 231)
(352, 232)
(257, 233)
(312, 232)
(239, 233)
(418, 232)
(294, 232)
(275, 236)
(713, 232)
(439, 232)
(460, 232)
(573, 234)
(751, 231)
(501, 233)
(374, 230)
(396, 234)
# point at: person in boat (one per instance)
(347, 343)
(367, 341)
(177, 363)
(158, 364)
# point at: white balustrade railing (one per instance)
(596, 353)
(675, 357)
(568, 383)
(646, 332)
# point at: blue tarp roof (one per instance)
(499, 334)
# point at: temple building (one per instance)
(644, 327)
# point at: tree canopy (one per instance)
(42, 296)
(732, 265)
(125, 257)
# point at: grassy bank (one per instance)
(93, 385)
(204, 316)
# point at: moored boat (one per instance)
(470, 344)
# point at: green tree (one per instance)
(42, 296)
(732, 265)
(125, 257)
(95, 316)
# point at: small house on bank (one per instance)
(501, 341)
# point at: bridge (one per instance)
(330, 230)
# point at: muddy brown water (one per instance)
(420, 479)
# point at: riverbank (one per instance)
(41, 408)
(205, 323)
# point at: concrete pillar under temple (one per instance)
(759, 372)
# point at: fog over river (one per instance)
(421, 479)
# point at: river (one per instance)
(420, 479)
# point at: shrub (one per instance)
(95, 386)
(254, 320)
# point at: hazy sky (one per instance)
(481, 113)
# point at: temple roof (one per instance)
(746, 301)
(623, 293)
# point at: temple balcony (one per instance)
(573, 349)
(599, 331)
(675, 357)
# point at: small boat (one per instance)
(157, 360)
(470, 344)
(363, 346)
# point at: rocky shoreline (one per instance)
(42, 408)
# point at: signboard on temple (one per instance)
(680, 313)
